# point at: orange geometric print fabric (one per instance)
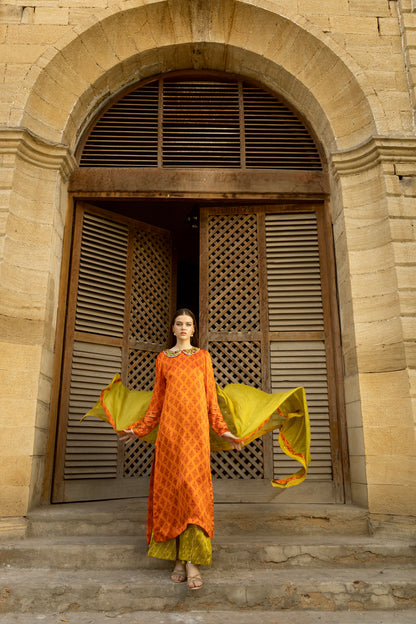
(184, 404)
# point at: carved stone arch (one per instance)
(158, 37)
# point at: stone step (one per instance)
(217, 617)
(128, 517)
(242, 551)
(66, 592)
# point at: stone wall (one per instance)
(350, 71)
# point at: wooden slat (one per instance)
(275, 137)
(91, 447)
(293, 273)
(101, 283)
(295, 364)
(198, 123)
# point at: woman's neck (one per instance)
(181, 345)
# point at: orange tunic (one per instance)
(184, 404)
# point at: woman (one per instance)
(180, 521)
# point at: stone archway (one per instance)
(70, 82)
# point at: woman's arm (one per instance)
(152, 417)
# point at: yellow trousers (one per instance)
(191, 545)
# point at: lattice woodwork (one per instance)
(138, 455)
(236, 362)
(151, 286)
(141, 369)
(245, 464)
(234, 299)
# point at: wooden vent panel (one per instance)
(126, 135)
(102, 281)
(91, 446)
(275, 138)
(293, 273)
(295, 364)
(200, 123)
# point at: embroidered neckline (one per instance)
(172, 353)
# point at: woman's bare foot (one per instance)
(193, 576)
(179, 572)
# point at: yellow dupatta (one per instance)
(248, 412)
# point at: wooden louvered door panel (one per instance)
(119, 306)
(265, 301)
(297, 337)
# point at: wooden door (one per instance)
(266, 317)
(119, 309)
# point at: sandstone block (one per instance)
(370, 309)
(124, 47)
(34, 35)
(352, 388)
(18, 409)
(51, 15)
(406, 277)
(20, 53)
(389, 26)
(353, 414)
(378, 8)
(374, 284)
(409, 327)
(359, 494)
(14, 443)
(16, 380)
(356, 441)
(23, 357)
(13, 500)
(410, 352)
(22, 254)
(40, 442)
(389, 356)
(86, 4)
(403, 442)
(358, 469)
(378, 440)
(405, 252)
(390, 470)
(10, 14)
(409, 20)
(403, 230)
(16, 470)
(332, 7)
(384, 386)
(354, 25)
(385, 498)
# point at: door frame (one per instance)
(91, 184)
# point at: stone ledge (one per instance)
(395, 526)
(376, 150)
(13, 527)
(36, 150)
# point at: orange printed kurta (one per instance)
(184, 404)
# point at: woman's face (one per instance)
(183, 327)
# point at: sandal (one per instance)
(179, 573)
(194, 580)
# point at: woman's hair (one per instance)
(185, 312)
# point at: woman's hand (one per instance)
(233, 440)
(127, 437)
